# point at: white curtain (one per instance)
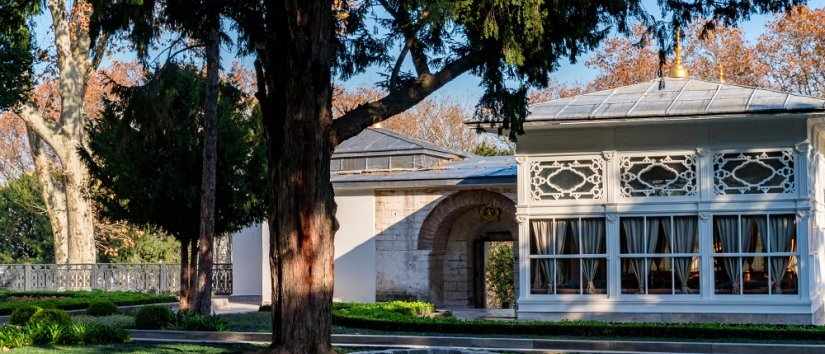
(562, 230)
(684, 242)
(749, 224)
(634, 241)
(542, 244)
(783, 228)
(727, 228)
(592, 240)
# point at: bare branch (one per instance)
(398, 62)
(416, 49)
(399, 99)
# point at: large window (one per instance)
(567, 256)
(660, 255)
(755, 254)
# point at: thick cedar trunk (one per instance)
(54, 197)
(203, 302)
(193, 271)
(185, 277)
(298, 122)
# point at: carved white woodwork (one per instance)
(754, 172)
(658, 175)
(568, 179)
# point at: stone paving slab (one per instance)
(493, 343)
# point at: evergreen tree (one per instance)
(147, 157)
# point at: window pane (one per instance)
(660, 275)
(353, 164)
(686, 275)
(567, 276)
(594, 272)
(378, 163)
(658, 235)
(541, 276)
(567, 240)
(726, 234)
(335, 165)
(632, 235)
(784, 278)
(754, 233)
(783, 233)
(685, 234)
(541, 237)
(592, 238)
(401, 162)
(755, 275)
(633, 273)
(726, 273)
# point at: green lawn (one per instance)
(140, 348)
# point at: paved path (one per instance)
(524, 345)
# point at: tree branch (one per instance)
(404, 23)
(62, 37)
(399, 99)
(39, 125)
(99, 51)
(398, 62)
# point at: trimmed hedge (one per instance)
(154, 317)
(78, 300)
(51, 317)
(356, 316)
(101, 308)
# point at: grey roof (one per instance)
(471, 170)
(378, 141)
(679, 97)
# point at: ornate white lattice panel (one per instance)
(658, 175)
(760, 172)
(567, 179)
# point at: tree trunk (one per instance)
(210, 152)
(81, 220)
(185, 277)
(299, 137)
(52, 189)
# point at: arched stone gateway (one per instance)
(457, 232)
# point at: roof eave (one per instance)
(538, 123)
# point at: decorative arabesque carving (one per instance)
(567, 179)
(754, 172)
(658, 176)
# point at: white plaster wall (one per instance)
(246, 261)
(355, 248)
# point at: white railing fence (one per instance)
(157, 278)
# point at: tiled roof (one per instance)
(376, 140)
(678, 97)
(473, 169)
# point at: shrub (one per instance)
(153, 317)
(51, 316)
(77, 300)
(118, 321)
(101, 334)
(265, 308)
(499, 273)
(21, 315)
(101, 308)
(192, 321)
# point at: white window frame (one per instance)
(647, 256)
(767, 255)
(580, 256)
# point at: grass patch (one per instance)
(395, 317)
(76, 300)
(141, 348)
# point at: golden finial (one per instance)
(678, 70)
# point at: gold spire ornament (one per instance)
(678, 71)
